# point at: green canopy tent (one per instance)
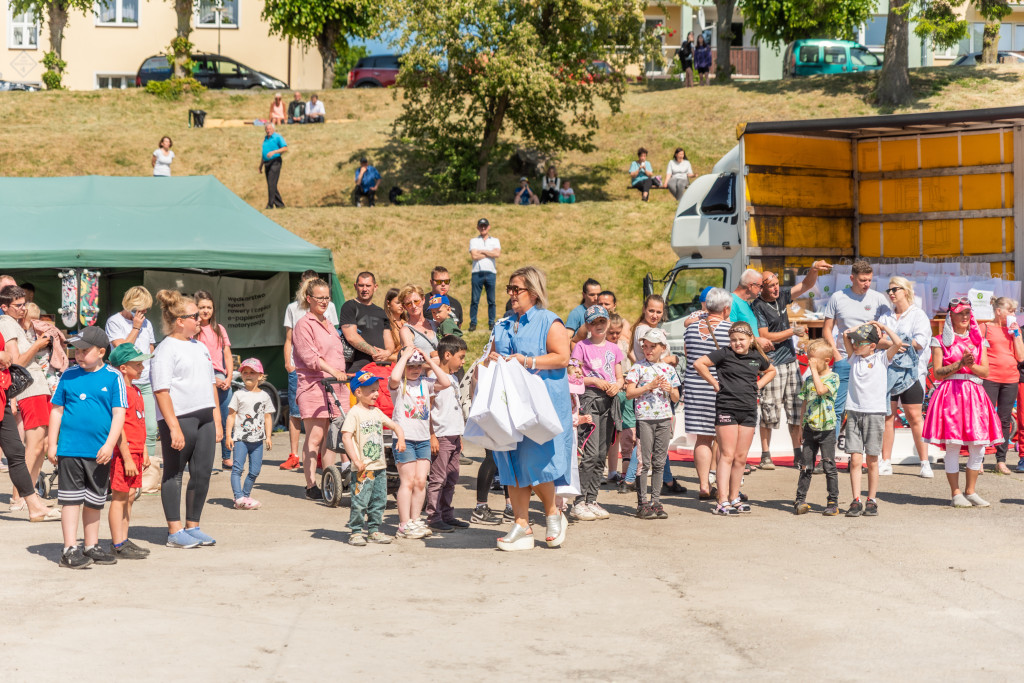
(123, 226)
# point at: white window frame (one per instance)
(223, 27)
(129, 79)
(118, 13)
(12, 24)
(862, 34)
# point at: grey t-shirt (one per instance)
(850, 311)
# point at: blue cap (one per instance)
(363, 379)
(438, 301)
(704, 293)
(595, 313)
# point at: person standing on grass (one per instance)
(782, 394)
(848, 309)
(484, 250)
(685, 54)
(364, 325)
(702, 60)
(270, 161)
(162, 158)
(188, 417)
(591, 292)
(213, 335)
(292, 314)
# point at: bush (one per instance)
(54, 70)
(173, 88)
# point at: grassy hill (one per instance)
(609, 235)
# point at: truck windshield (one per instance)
(684, 292)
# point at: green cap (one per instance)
(126, 353)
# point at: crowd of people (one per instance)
(616, 390)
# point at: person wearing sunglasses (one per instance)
(959, 412)
(419, 330)
(187, 417)
(441, 285)
(1005, 351)
(906, 383)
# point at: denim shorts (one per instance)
(414, 450)
(293, 386)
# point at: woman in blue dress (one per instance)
(536, 338)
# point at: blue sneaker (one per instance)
(200, 537)
(181, 539)
(1020, 465)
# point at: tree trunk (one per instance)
(894, 80)
(990, 42)
(327, 46)
(491, 129)
(183, 9)
(57, 19)
(723, 26)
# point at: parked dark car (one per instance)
(375, 71)
(213, 71)
(11, 85)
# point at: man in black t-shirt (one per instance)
(440, 285)
(782, 393)
(365, 325)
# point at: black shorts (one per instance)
(741, 417)
(914, 396)
(82, 481)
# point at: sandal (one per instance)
(724, 510)
(739, 505)
(52, 515)
(747, 469)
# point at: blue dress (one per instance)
(533, 463)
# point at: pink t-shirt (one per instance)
(215, 346)
(598, 361)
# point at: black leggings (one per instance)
(200, 447)
(1003, 396)
(644, 186)
(485, 477)
(14, 449)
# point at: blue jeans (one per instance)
(224, 396)
(293, 386)
(631, 471)
(414, 450)
(482, 280)
(254, 451)
(369, 498)
(841, 368)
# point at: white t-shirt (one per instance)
(914, 323)
(163, 163)
(486, 264)
(250, 408)
(680, 168)
(657, 404)
(850, 311)
(10, 329)
(119, 327)
(412, 409)
(293, 314)
(183, 367)
(869, 381)
(447, 413)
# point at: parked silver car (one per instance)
(974, 58)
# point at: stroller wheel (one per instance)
(332, 484)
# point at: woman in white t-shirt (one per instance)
(130, 326)
(188, 417)
(679, 173)
(162, 158)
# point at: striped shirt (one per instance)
(698, 395)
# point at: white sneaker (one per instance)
(885, 467)
(976, 500)
(926, 470)
(599, 512)
(583, 513)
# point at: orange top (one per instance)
(1002, 363)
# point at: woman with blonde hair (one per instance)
(188, 417)
(1005, 351)
(536, 338)
(907, 372)
(319, 355)
(418, 331)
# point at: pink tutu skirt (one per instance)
(959, 412)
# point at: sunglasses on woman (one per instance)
(512, 290)
(193, 316)
(893, 290)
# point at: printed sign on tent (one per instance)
(250, 310)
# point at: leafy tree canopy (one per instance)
(780, 22)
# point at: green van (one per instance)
(818, 56)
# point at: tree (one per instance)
(479, 72)
(181, 46)
(723, 29)
(54, 14)
(780, 22)
(323, 23)
(993, 11)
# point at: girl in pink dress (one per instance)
(959, 411)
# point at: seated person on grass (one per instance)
(367, 182)
(566, 194)
(315, 110)
(297, 110)
(524, 195)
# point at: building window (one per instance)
(977, 34)
(115, 81)
(214, 13)
(873, 34)
(117, 13)
(24, 31)
(1018, 37)
(1005, 37)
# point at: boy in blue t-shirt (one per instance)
(85, 423)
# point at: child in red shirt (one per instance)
(131, 458)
